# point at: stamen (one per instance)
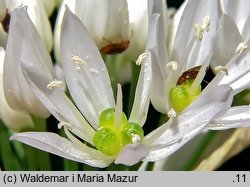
(171, 113)
(77, 60)
(136, 138)
(198, 32)
(64, 124)
(55, 84)
(141, 58)
(241, 48)
(206, 23)
(221, 69)
(118, 107)
(172, 65)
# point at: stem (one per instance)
(42, 157)
(9, 159)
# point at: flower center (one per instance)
(182, 95)
(110, 138)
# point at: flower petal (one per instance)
(57, 102)
(60, 146)
(238, 70)
(158, 93)
(210, 105)
(226, 41)
(141, 99)
(24, 45)
(187, 51)
(85, 72)
(235, 117)
(131, 154)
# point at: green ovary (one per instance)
(182, 95)
(110, 138)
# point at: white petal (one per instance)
(38, 16)
(226, 41)
(210, 105)
(24, 45)
(194, 13)
(60, 146)
(235, 117)
(238, 77)
(15, 120)
(158, 93)
(85, 72)
(240, 11)
(57, 102)
(131, 154)
(105, 21)
(141, 99)
(57, 31)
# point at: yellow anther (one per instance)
(55, 84)
(141, 58)
(221, 69)
(172, 65)
(241, 48)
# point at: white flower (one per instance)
(193, 46)
(14, 120)
(36, 11)
(107, 22)
(16, 88)
(89, 85)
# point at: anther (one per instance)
(64, 124)
(78, 60)
(171, 113)
(206, 23)
(136, 138)
(221, 69)
(198, 32)
(172, 65)
(55, 84)
(141, 58)
(241, 48)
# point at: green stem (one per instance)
(43, 158)
(9, 159)
(199, 151)
(111, 66)
(31, 158)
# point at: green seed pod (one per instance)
(181, 96)
(107, 141)
(129, 131)
(106, 118)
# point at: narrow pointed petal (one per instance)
(235, 117)
(57, 102)
(15, 120)
(240, 11)
(85, 72)
(142, 99)
(194, 13)
(60, 146)
(132, 154)
(38, 17)
(158, 93)
(238, 70)
(226, 41)
(111, 23)
(190, 122)
(24, 45)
